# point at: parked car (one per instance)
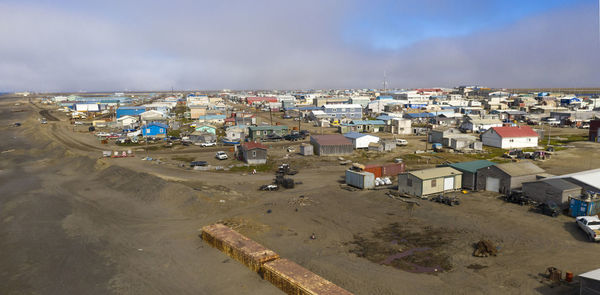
(293, 136)
(221, 155)
(207, 144)
(198, 163)
(287, 117)
(590, 225)
(401, 142)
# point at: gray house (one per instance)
(331, 145)
(555, 190)
(469, 170)
(503, 178)
(253, 153)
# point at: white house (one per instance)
(127, 120)
(153, 115)
(510, 137)
(360, 140)
(472, 124)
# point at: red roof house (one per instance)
(510, 137)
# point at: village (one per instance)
(534, 150)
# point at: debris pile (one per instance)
(485, 248)
(301, 201)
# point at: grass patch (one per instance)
(183, 159)
(267, 167)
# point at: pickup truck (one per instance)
(221, 155)
(590, 225)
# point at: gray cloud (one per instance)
(274, 44)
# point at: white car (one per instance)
(221, 155)
(591, 226)
(207, 144)
(401, 142)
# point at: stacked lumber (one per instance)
(292, 278)
(237, 246)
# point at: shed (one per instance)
(360, 140)
(556, 190)
(375, 147)
(388, 145)
(590, 283)
(429, 181)
(331, 145)
(469, 170)
(253, 153)
(503, 178)
(306, 150)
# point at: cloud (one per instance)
(135, 45)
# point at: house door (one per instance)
(448, 183)
(492, 184)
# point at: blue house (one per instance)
(130, 111)
(154, 129)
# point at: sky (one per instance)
(69, 45)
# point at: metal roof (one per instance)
(435, 173)
(156, 124)
(561, 184)
(368, 122)
(270, 127)
(331, 139)
(589, 177)
(592, 275)
(355, 135)
(519, 131)
(520, 168)
(472, 166)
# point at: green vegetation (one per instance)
(175, 133)
(268, 167)
(183, 159)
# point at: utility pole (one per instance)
(271, 115)
(549, 131)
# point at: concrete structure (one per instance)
(469, 170)
(555, 190)
(429, 181)
(360, 140)
(253, 153)
(401, 126)
(331, 145)
(510, 137)
(503, 178)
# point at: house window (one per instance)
(254, 154)
(512, 140)
(162, 130)
(147, 130)
(433, 182)
(408, 182)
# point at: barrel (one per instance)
(569, 276)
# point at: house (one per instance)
(213, 119)
(438, 135)
(258, 100)
(339, 111)
(197, 111)
(235, 133)
(510, 137)
(503, 178)
(362, 126)
(261, 132)
(155, 129)
(129, 111)
(152, 116)
(401, 126)
(388, 144)
(253, 153)
(360, 140)
(207, 129)
(331, 145)
(555, 190)
(127, 121)
(429, 181)
(198, 137)
(469, 172)
(479, 125)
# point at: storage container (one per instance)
(584, 207)
(362, 180)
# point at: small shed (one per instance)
(306, 150)
(555, 190)
(590, 283)
(469, 170)
(331, 145)
(253, 153)
(375, 147)
(360, 140)
(388, 145)
(429, 181)
(503, 178)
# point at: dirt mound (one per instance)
(141, 186)
(413, 250)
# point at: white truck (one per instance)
(221, 155)
(590, 225)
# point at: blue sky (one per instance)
(263, 44)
